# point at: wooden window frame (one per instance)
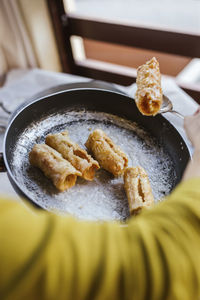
(127, 34)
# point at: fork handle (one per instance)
(174, 112)
(178, 114)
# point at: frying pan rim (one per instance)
(33, 100)
(8, 169)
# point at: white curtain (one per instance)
(16, 50)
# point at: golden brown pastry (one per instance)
(71, 151)
(54, 166)
(138, 189)
(149, 95)
(109, 156)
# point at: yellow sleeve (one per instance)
(43, 256)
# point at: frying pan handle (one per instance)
(4, 108)
(3, 126)
(2, 165)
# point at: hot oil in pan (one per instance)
(104, 198)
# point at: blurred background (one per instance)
(105, 40)
(175, 15)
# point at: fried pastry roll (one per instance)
(149, 96)
(138, 189)
(71, 151)
(54, 166)
(109, 156)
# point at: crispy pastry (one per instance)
(54, 166)
(109, 156)
(71, 151)
(138, 189)
(148, 96)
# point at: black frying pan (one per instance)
(89, 107)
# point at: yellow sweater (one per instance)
(157, 256)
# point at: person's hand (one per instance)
(192, 128)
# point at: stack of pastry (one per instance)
(138, 189)
(109, 156)
(62, 160)
(149, 95)
(114, 160)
